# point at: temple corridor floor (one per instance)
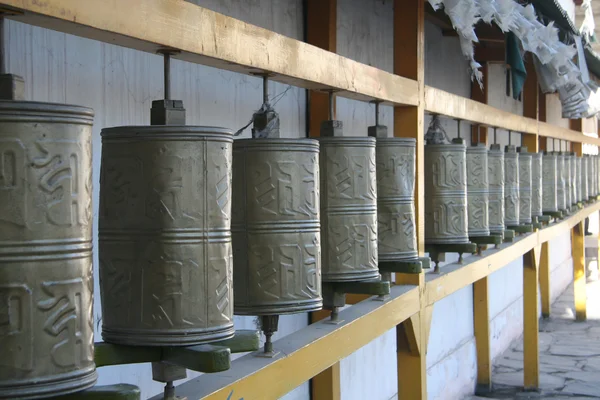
(569, 354)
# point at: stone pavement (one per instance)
(569, 354)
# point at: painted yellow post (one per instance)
(579, 287)
(409, 62)
(545, 280)
(481, 321)
(531, 371)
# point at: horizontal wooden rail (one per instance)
(209, 38)
(438, 101)
(305, 353)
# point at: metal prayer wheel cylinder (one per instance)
(395, 159)
(536, 185)
(276, 230)
(477, 191)
(525, 182)
(348, 208)
(496, 189)
(580, 188)
(573, 181)
(549, 182)
(568, 187)
(590, 176)
(164, 235)
(584, 178)
(593, 179)
(511, 186)
(446, 193)
(561, 186)
(46, 279)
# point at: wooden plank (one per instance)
(209, 38)
(545, 280)
(481, 328)
(409, 62)
(579, 283)
(321, 21)
(531, 352)
(321, 31)
(306, 352)
(566, 134)
(441, 102)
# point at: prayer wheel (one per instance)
(276, 231)
(446, 193)
(590, 176)
(549, 182)
(397, 240)
(584, 180)
(477, 191)
(568, 187)
(597, 157)
(524, 186)
(536, 185)
(511, 186)
(573, 180)
(46, 279)
(561, 187)
(348, 208)
(593, 179)
(165, 238)
(580, 179)
(496, 189)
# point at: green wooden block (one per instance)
(554, 214)
(491, 239)
(543, 218)
(509, 236)
(522, 228)
(110, 392)
(242, 342)
(407, 267)
(425, 262)
(362, 287)
(460, 248)
(114, 354)
(201, 358)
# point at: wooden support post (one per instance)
(531, 371)
(321, 16)
(481, 321)
(479, 134)
(409, 62)
(545, 280)
(579, 284)
(530, 107)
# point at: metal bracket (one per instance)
(435, 250)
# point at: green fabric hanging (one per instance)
(517, 67)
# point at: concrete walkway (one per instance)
(569, 354)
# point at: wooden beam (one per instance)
(545, 280)
(321, 31)
(321, 22)
(479, 134)
(481, 328)
(206, 37)
(409, 62)
(541, 105)
(579, 278)
(530, 93)
(488, 54)
(531, 352)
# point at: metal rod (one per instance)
(458, 127)
(509, 137)
(495, 135)
(167, 72)
(169, 393)
(376, 113)
(265, 89)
